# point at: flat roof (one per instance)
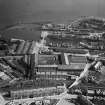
(47, 66)
(76, 59)
(72, 66)
(48, 59)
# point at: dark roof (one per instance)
(69, 50)
(63, 59)
(24, 47)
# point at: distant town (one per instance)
(39, 72)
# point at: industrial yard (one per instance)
(41, 72)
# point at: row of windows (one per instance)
(52, 73)
(52, 77)
(36, 94)
(46, 69)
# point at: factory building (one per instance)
(22, 47)
(59, 70)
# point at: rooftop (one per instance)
(64, 102)
(72, 66)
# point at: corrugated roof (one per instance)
(20, 47)
(24, 47)
(33, 44)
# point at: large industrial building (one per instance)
(64, 65)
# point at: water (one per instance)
(58, 11)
